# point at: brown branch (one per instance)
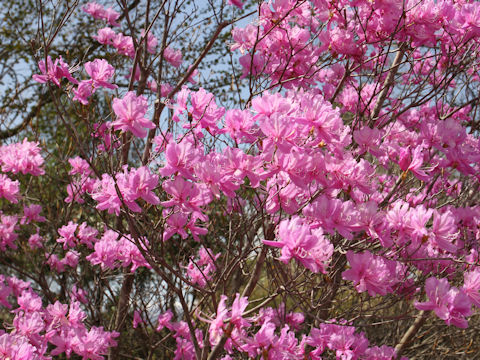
(26, 121)
(193, 67)
(387, 85)
(412, 330)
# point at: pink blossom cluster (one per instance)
(111, 252)
(126, 188)
(130, 112)
(100, 72)
(23, 157)
(37, 332)
(54, 71)
(200, 270)
(307, 246)
(272, 334)
(345, 175)
(9, 189)
(284, 45)
(124, 44)
(97, 11)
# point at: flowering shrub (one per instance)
(338, 193)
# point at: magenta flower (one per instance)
(471, 286)
(298, 241)
(105, 36)
(413, 161)
(95, 10)
(9, 189)
(449, 304)
(216, 325)
(444, 231)
(137, 319)
(32, 214)
(53, 71)
(173, 56)
(237, 3)
(130, 113)
(100, 71)
(238, 307)
(371, 273)
(22, 157)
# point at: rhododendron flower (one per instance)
(83, 91)
(35, 241)
(444, 231)
(94, 9)
(124, 45)
(471, 286)
(9, 189)
(32, 214)
(164, 320)
(67, 235)
(307, 246)
(371, 273)
(54, 71)
(152, 42)
(22, 157)
(173, 56)
(217, 324)
(100, 71)
(137, 319)
(130, 113)
(413, 161)
(449, 304)
(105, 36)
(8, 225)
(97, 11)
(237, 3)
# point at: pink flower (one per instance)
(137, 319)
(237, 3)
(444, 231)
(124, 45)
(471, 286)
(67, 233)
(164, 320)
(79, 166)
(83, 91)
(95, 10)
(22, 157)
(130, 113)
(238, 307)
(105, 36)
(371, 273)
(152, 42)
(111, 16)
(8, 225)
(216, 325)
(197, 275)
(31, 214)
(53, 72)
(413, 161)
(449, 304)
(105, 193)
(173, 56)
(298, 241)
(100, 71)
(138, 183)
(9, 189)
(35, 241)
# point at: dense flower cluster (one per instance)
(347, 175)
